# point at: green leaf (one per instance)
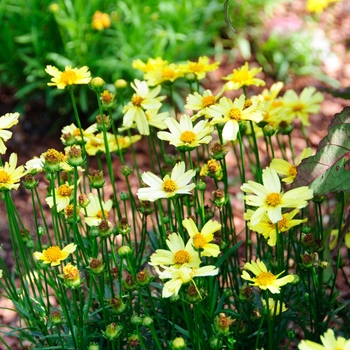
(328, 170)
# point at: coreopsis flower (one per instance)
(269, 198)
(231, 113)
(282, 167)
(164, 74)
(63, 195)
(243, 76)
(72, 132)
(10, 175)
(201, 240)
(199, 68)
(156, 119)
(95, 211)
(69, 77)
(142, 100)
(54, 255)
(183, 275)
(169, 186)
(122, 142)
(268, 229)
(100, 21)
(96, 144)
(264, 279)
(6, 122)
(178, 254)
(308, 102)
(275, 308)
(318, 6)
(183, 135)
(213, 169)
(200, 103)
(151, 64)
(71, 276)
(329, 342)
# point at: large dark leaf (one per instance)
(328, 170)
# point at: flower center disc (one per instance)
(208, 101)
(169, 185)
(293, 170)
(188, 137)
(181, 257)
(64, 191)
(99, 214)
(240, 76)
(69, 77)
(168, 73)
(4, 177)
(265, 278)
(136, 100)
(198, 241)
(273, 199)
(235, 114)
(53, 253)
(298, 107)
(196, 67)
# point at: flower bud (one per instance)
(29, 182)
(268, 130)
(83, 200)
(75, 157)
(103, 123)
(56, 318)
(220, 198)
(117, 305)
(129, 283)
(136, 320)
(143, 278)
(94, 346)
(223, 323)
(201, 185)
(123, 196)
(147, 321)
(308, 260)
(134, 341)
(146, 208)
(218, 151)
(123, 227)
(112, 331)
(120, 84)
(107, 99)
(124, 251)
(52, 160)
(178, 344)
(71, 276)
(104, 228)
(97, 84)
(96, 266)
(126, 170)
(96, 179)
(285, 128)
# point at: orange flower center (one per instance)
(52, 155)
(69, 77)
(298, 107)
(136, 100)
(102, 215)
(240, 76)
(293, 170)
(94, 143)
(199, 241)
(282, 224)
(235, 114)
(188, 137)
(168, 73)
(64, 191)
(247, 103)
(273, 199)
(208, 101)
(52, 254)
(181, 257)
(265, 278)
(196, 67)
(169, 185)
(4, 177)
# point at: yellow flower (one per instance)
(73, 132)
(54, 255)
(169, 186)
(275, 308)
(265, 279)
(156, 119)
(329, 343)
(69, 77)
(142, 100)
(282, 167)
(96, 143)
(201, 240)
(213, 169)
(243, 76)
(183, 275)
(165, 73)
(63, 195)
(183, 135)
(93, 212)
(318, 6)
(200, 68)
(301, 106)
(178, 254)
(100, 21)
(122, 142)
(6, 122)
(232, 113)
(10, 175)
(268, 229)
(151, 65)
(71, 276)
(270, 200)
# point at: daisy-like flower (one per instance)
(151, 65)
(63, 195)
(200, 240)
(178, 254)
(200, 103)
(166, 73)
(96, 143)
(243, 76)
(231, 113)
(71, 276)
(142, 100)
(100, 21)
(54, 255)
(270, 200)
(302, 106)
(329, 343)
(69, 77)
(10, 175)
(264, 279)
(6, 122)
(318, 6)
(93, 211)
(169, 186)
(184, 136)
(282, 167)
(183, 275)
(199, 68)
(268, 229)
(122, 142)
(275, 308)
(156, 119)
(71, 134)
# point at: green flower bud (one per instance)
(136, 320)
(117, 305)
(222, 324)
(126, 170)
(103, 123)
(96, 266)
(29, 182)
(129, 283)
(143, 278)
(96, 179)
(124, 251)
(134, 341)
(75, 157)
(147, 321)
(56, 318)
(268, 130)
(94, 346)
(97, 84)
(218, 151)
(112, 331)
(178, 344)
